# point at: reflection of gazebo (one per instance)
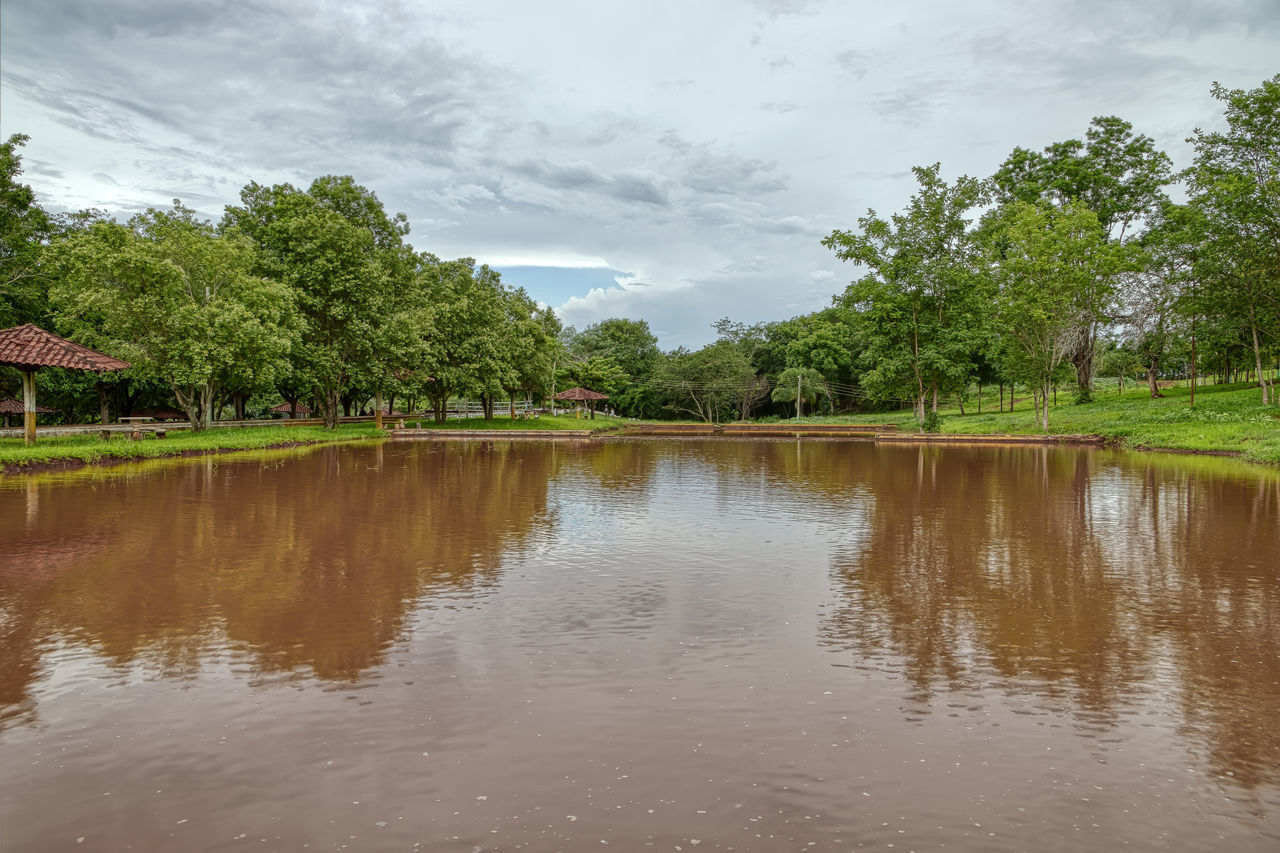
(29, 348)
(286, 409)
(582, 395)
(13, 406)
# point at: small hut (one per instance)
(299, 410)
(10, 406)
(30, 348)
(582, 395)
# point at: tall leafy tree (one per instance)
(463, 348)
(24, 229)
(345, 262)
(177, 300)
(1046, 261)
(633, 348)
(1117, 174)
(924, 301)
(1235, 185)
(710, 383)
(798, 385)
(1157, 295)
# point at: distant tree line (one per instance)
(1066, 264)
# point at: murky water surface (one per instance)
(678, 645)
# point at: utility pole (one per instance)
(799, 376)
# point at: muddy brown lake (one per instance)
(685, 645)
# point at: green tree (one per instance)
(710, 383)
(630, 344)
(1235, 185)
(1154, 298)
(464, 344)
(1119, 176)
(1046, 261)
(798, 385)
(345, 262)
(633, 348)
(24, 230)
(923, 303)
(178, 301)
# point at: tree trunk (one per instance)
(330, 406)
(1153, 368)
(190, 403)
(207, 395)
(104, 404)
(1193, 362)
(377, 409)
(1257, 355)
(1082, 360)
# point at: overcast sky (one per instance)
(668, 161)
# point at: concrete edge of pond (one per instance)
(490, 434)
(999, 438)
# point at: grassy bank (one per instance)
(90, 448)
(1225, 419)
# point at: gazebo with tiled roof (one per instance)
(10, 406)
(292, 411)
(30, 348)
(582, 395)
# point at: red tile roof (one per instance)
(13, 406)
(580, 394)
(28, 347)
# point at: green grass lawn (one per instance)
(90, 448)
(1226, 418)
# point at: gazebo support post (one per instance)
(29, 406)
(104, 404)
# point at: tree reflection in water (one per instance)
(307, 563)
(1099, 583)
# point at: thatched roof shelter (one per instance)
(29, 348)
(583, 395)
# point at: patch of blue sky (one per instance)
(554, 285)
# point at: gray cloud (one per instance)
(678, 152)
(584, 177)
(855, 62)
